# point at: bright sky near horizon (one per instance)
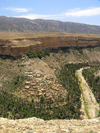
(81, 11)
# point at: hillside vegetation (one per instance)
(17, 108)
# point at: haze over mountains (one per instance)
(40, 25)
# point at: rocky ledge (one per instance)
(36, 125)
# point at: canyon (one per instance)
(19, 45)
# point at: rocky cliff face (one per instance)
(7, 47)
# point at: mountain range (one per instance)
(39, 25)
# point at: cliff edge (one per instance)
(19, 46)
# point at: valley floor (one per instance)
(48, 64)
(36, 125)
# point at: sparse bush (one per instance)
(15, 83)
(91, 131)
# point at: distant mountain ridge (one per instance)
(40, 25)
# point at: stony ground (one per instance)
(35, 125)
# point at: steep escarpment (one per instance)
(15, 48)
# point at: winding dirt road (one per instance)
(92, 104)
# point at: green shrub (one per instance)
(41, 54)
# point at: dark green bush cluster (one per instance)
(65, 49)
(80, 50)
(41, 54)
(93, 82)
(17, 108)
(66, 77)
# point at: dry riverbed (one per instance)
(92, 105)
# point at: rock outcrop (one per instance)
(7, 47)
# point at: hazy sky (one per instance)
(82, 11)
